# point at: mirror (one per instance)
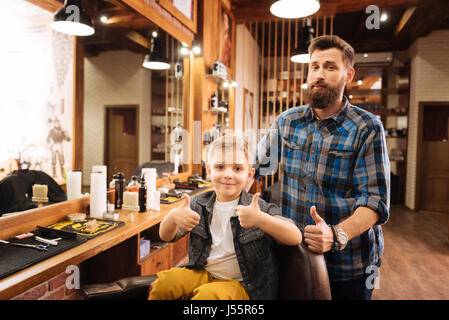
(36, 107)
(132, 115)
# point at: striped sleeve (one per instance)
(371, 179)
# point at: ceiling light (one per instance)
(304, 86)
(156, 59)
(154, 34)
(300, 57)
(155, 65)
(225, 84)
(234, 84)
(184, 51)
(351, 96)
(72, 20)
(292, 9)
(103, 19)
(365, 55)
(359, 82)
(383, 17)
(196, 49)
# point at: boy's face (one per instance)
(229, 171)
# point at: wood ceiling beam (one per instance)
(137, 38)
(419, 22)
(49, 5)
(405, 18)
(160, 20)
(125, 39)
(129, 20)
(119, 4)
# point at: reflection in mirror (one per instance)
(131, 113)
(36, 113)
(120, 96)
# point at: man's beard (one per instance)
(321, 99)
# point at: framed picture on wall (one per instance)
(183, 10)
(227, 34)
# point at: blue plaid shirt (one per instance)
(337, 164)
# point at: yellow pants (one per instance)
(184, 283)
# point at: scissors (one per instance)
(41, 247)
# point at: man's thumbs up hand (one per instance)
(184, 217)
(318, 237)
(250, 216)
(318, 220)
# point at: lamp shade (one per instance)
(156, 59)
(301, 53)
(292, 9)
(72, 20)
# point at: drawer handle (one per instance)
(158, 264)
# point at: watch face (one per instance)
(342, 238)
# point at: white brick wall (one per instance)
(429, 81)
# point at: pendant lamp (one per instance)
(292, 9)
(156, 59)
(301, 53)
(73, 20)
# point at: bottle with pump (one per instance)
(142, 195)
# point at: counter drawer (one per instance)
(157, 261)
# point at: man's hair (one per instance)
(328, 42)
(230, 142)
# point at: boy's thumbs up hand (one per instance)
(186, 203)
(184, 217)
(250, 216)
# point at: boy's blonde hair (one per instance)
(230, 141)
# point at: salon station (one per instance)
(108, 108)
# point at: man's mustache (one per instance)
(318, 83)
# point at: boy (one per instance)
(232, 235)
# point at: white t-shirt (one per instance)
(222, 261)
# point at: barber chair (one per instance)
(303, 276)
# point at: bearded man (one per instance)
(335, 177)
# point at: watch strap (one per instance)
(334, 233)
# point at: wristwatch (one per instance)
(342, 238)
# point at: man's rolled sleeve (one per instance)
(371, 178)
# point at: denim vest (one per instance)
(255, 249)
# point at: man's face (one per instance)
(328, 75)
(229, 171)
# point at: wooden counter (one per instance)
(135, 223)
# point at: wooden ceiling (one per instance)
(407, 20)
(124, 29)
